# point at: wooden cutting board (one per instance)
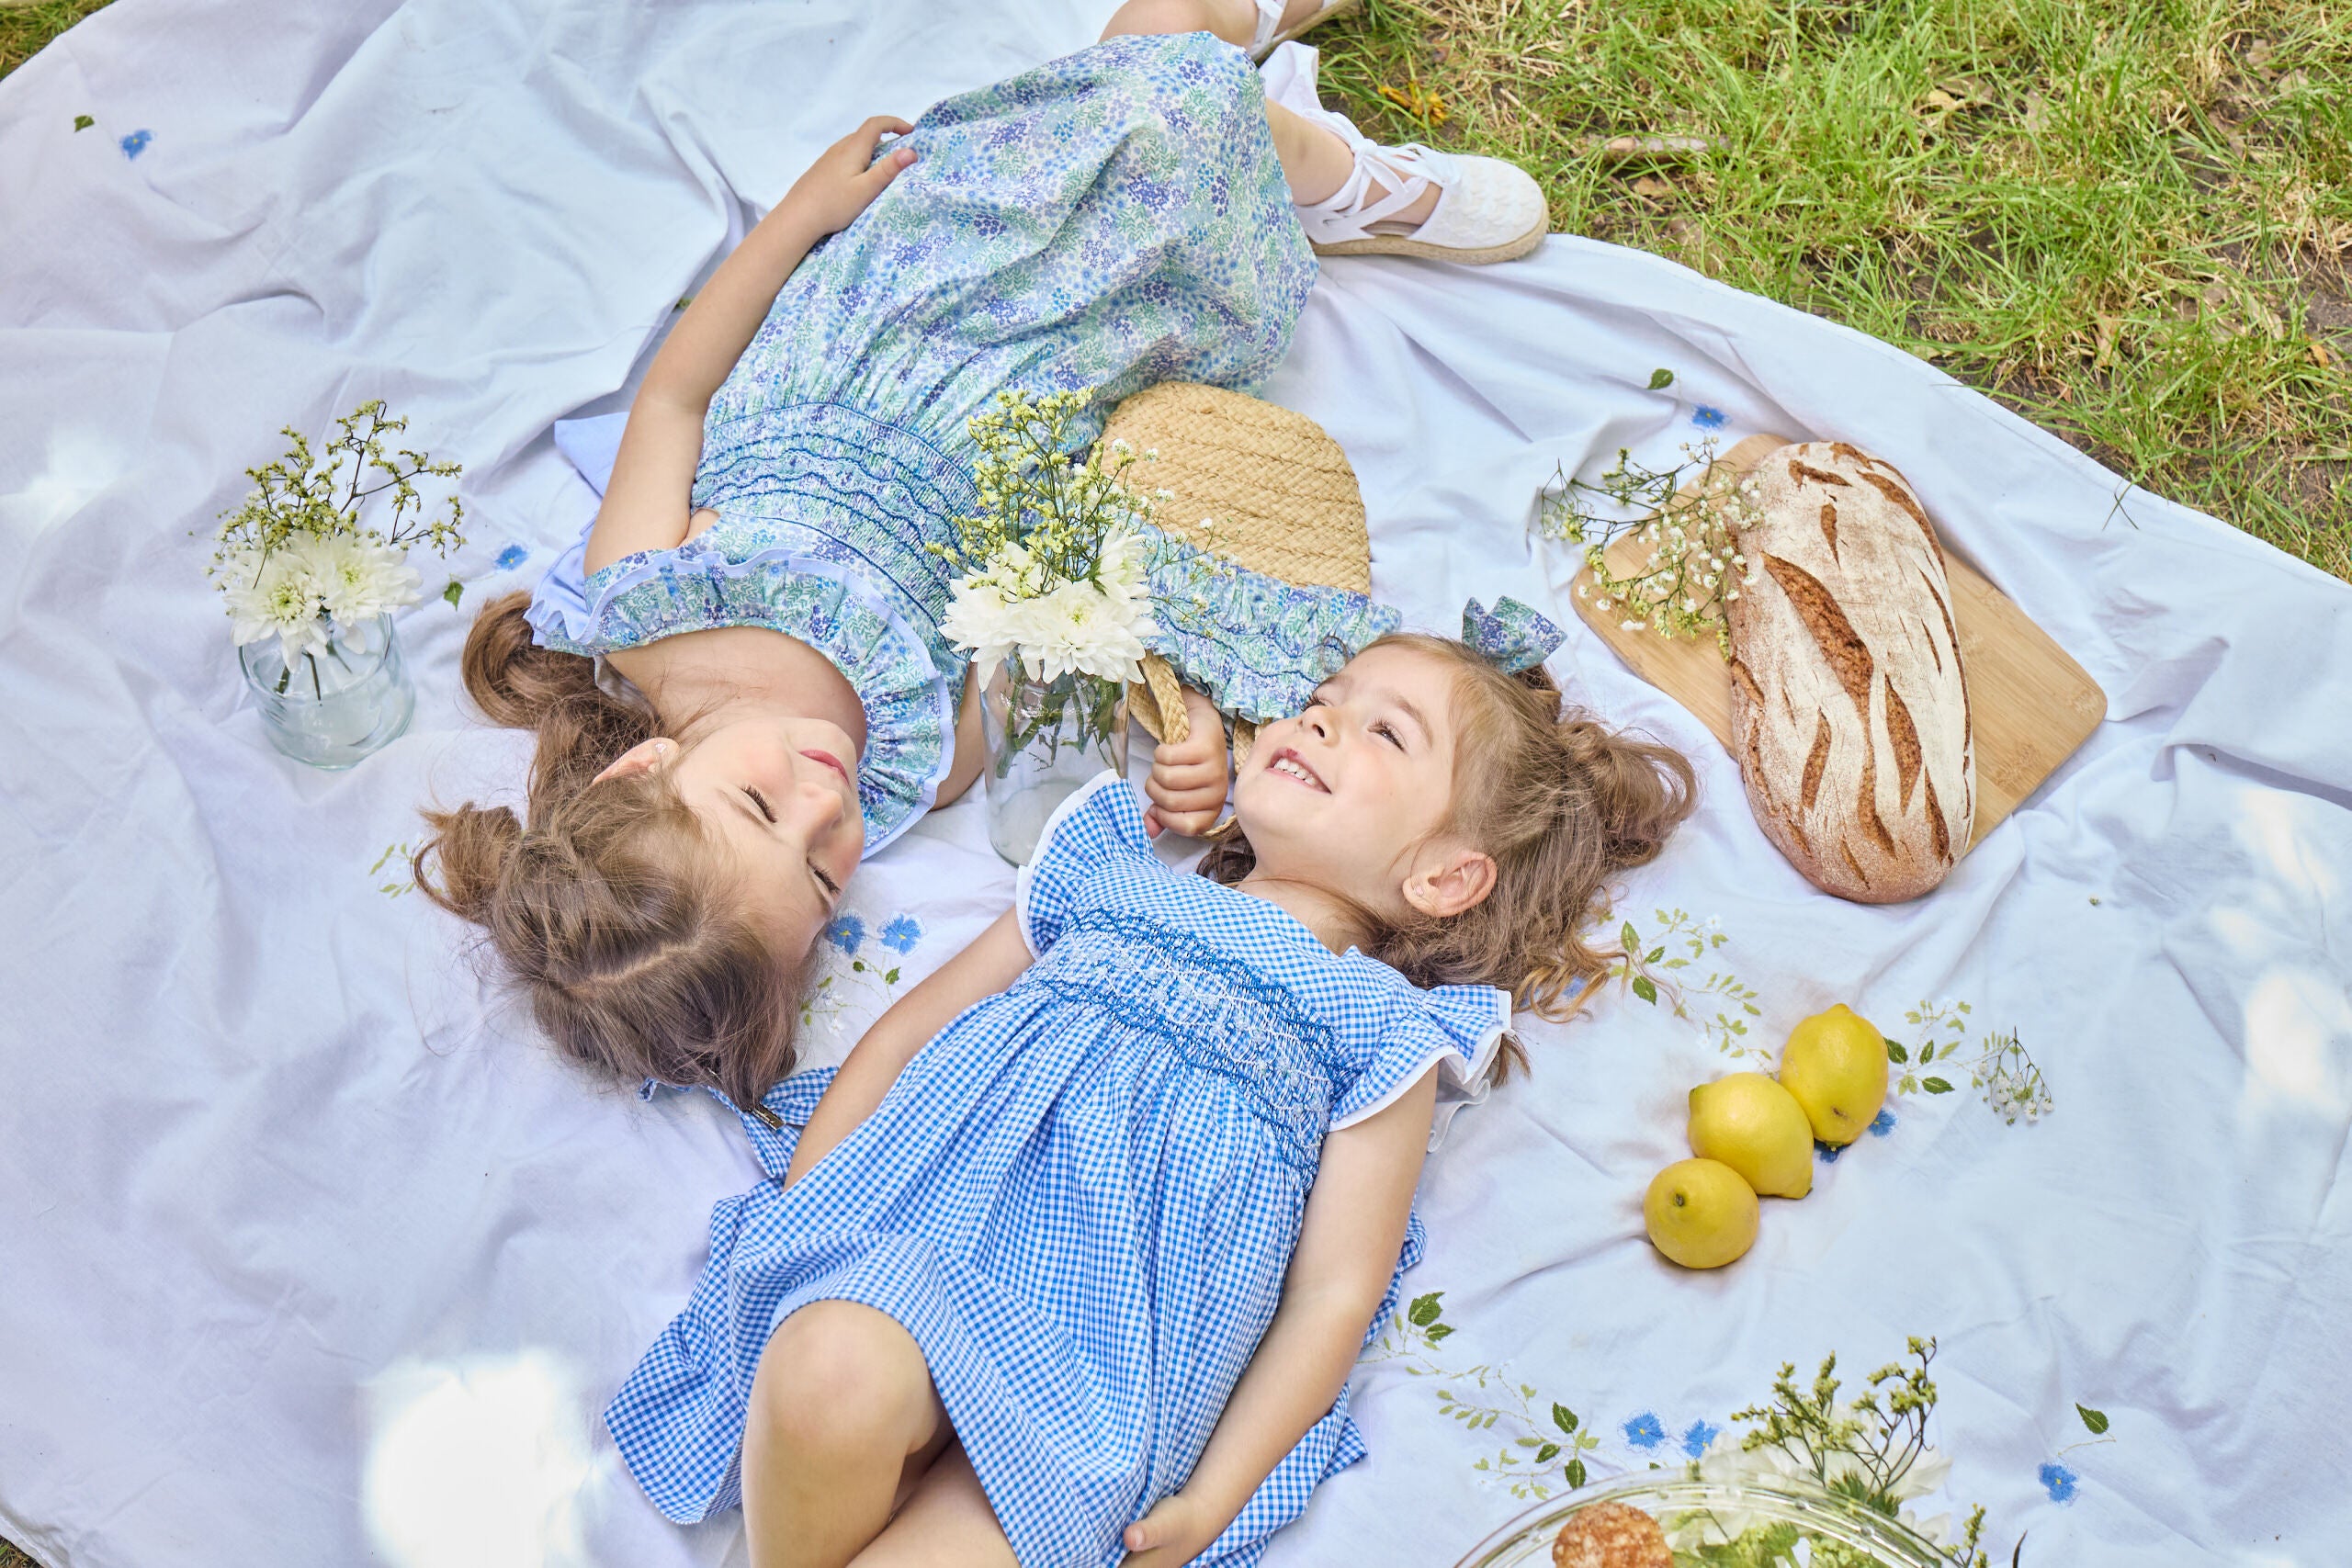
(2032, 705)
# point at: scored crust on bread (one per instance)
(1849, 708)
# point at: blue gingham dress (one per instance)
(1080, 1199)
(1109, 220)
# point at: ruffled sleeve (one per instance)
(1257, 645)
(1456, 1029)
(1099, 823)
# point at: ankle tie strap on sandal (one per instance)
(1487, 210)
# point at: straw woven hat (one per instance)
(1280, 494)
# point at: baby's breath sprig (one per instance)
(321, 495)
(1044, 513)
(1696, 567)
(1873, 1448)
(320, 547)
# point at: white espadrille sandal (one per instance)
(1487, 210)
(1273, 35)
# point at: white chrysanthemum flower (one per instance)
(1080, 629)
(358, 581)
(983, 616)
(1927, 1473)
(274, 597)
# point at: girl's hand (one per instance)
(1179, 1530)
(846, 176)
(1188, 779)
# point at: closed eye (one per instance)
(1385, 728)
(762, 802)
(833, 889)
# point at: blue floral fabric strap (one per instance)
(1256, 645)
(1513, 636)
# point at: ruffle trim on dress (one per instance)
(1464, 1029)
(1256, 645)
(641, 598)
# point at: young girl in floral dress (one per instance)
(1072, 1257)
(758, 573)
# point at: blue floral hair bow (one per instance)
(1512, 635)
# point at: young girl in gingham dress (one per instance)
(1069, 1262)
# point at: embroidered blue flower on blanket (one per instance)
(512, 557)
(1707, 418)
(1882, 1124)
(1696, 1437)
(136, 142)
(1513, 636)
(2059, 1482)
(847, 933)
(1646, 1431)
(902, 935)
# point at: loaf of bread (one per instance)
(1849, 709)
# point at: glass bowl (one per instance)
(1715, 1511)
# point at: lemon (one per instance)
(1699, 1213)
(1836, 1065)
(1755, 1126)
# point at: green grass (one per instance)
(23, 30)
(2128, 219)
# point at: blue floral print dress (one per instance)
(1080, 1199)
(1112, 219)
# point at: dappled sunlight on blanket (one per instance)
(480, 1461)
(2298, 1041)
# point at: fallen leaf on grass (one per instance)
(2104, 332)
(1418, 102)
(1652, 186)
(2318, 353)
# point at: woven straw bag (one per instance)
(1282, 496)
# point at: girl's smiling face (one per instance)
(1352, 796)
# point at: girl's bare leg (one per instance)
(842, 1410)
(1314, 161)
(947, 1523)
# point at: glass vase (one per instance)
(1043, 739)
(339, 702)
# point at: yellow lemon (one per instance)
(1755, 1126)
(1836, 1065)
(1699, 1213)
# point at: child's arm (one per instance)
(993, 961)
(648, 500)
(1189, 777)
(1347, 1251)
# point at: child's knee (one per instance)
(840, 1374)
(1177, 16)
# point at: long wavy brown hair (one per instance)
(1562, 803)
(605, 902)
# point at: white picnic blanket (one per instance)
(309, 1253)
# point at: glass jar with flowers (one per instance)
(310, 585)
(1055, 600)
